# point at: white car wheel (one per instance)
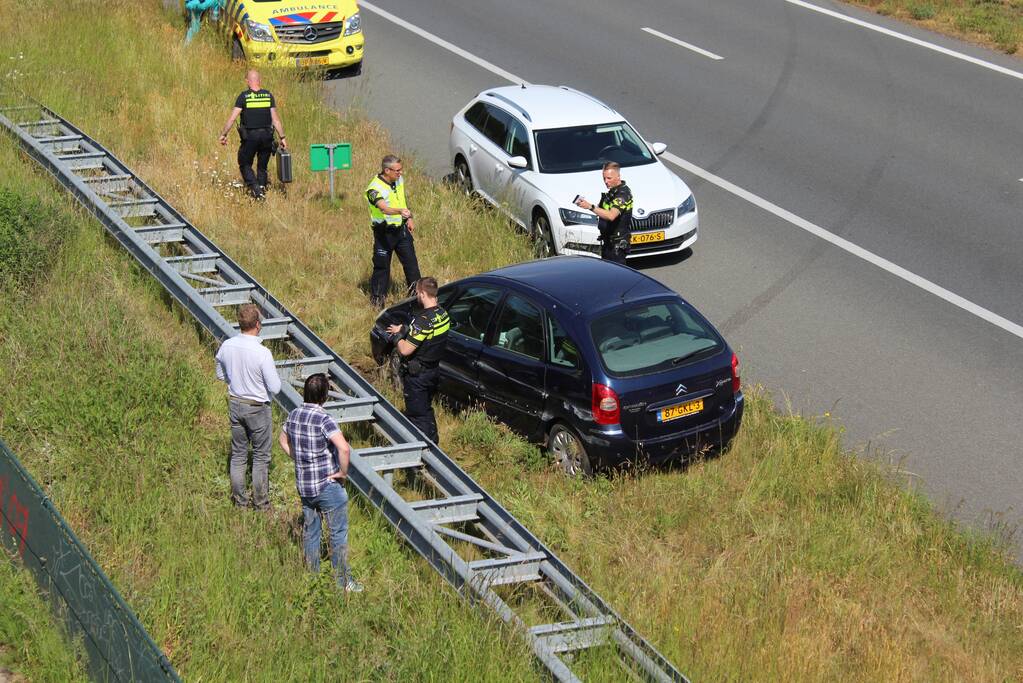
(463, 178)
(543, 236)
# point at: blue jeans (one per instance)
(332, 502)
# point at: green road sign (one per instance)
(319, 157)
(330, 158)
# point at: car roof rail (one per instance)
(589, 97)
(511, 104)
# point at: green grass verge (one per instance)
(31, 235)
(31, 644)
(993, 23)
(785, 559)
(116, 415)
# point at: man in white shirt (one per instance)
(251, 376)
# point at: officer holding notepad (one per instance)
(614, 215)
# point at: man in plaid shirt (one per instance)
(313, 440)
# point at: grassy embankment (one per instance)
(786, 559)
(994, 23)
(29, 638)
(30, 236)
(111, 407)
(30, 641)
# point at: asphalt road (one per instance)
(909, 153)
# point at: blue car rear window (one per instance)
(636, 340)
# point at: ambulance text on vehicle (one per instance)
(295, 33)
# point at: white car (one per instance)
(531, 150)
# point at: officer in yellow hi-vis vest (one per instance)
(259, 119)
(392, 229)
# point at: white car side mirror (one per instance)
(658, 148)
(518, 162)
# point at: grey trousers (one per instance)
(250, 424)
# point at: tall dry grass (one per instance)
(132, 83)
(996, 24)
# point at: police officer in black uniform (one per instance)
(614, 215)
(421, 346)
(259, 119)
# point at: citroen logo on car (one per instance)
(680, 389)
(309, 33)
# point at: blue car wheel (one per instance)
(568, 451)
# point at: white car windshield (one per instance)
(587, 148)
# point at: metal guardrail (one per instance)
(496, 554)
(118, 647)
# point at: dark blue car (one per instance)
(601, 363)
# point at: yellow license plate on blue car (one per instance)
(682, 410)
(646, 237)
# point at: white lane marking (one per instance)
(788, 216)
(909, 39)
(855, 250)
(682, 43)
(444, 44)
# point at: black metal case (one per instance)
(284, 171)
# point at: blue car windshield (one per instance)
(647, 338)
(587, 148)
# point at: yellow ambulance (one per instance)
(295, 33)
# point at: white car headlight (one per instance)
(353, 24)
(257, 31)
(570, 217)
(687, 206)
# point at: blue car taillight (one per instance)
(607, 409)
(736, 381)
